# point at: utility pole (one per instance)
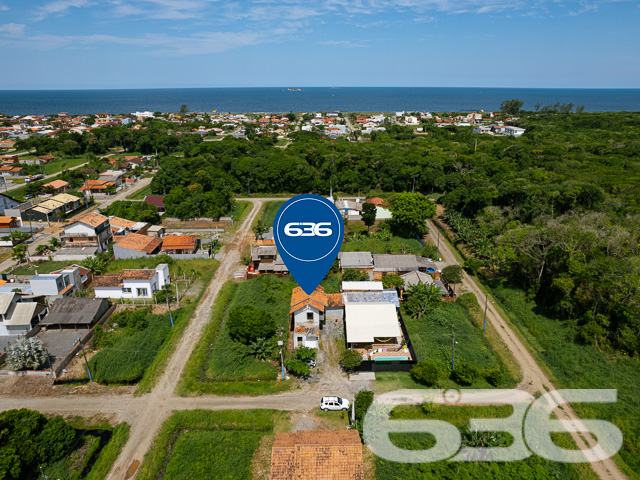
(484, 325)
(438, 247)
(169, 307)
(84, 355)
(476, 147)
(281, 344)
(177, 295)
(453, 351)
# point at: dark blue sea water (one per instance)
(348, 99)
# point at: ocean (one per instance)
(276, 100)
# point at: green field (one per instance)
(376, 245)
(193, 444)
(582, 366)
(140, 194)
(216, 365)
(532, 468)
(42, 267)
(58, 164)
(270, 210)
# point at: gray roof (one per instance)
(385, 296)
(415, 277)
(88, 250)
(76, 311)
(442, 288)
(395, 263)
(5, 302)
(356, 260)
(23, 313)
(277, 266)
(427, 263)
(263, 251)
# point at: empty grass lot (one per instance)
(216, 365)
(531, 468)
(192, 445)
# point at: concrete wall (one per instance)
(122, 253)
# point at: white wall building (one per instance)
(513, 131)
(141, 283)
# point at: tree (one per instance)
(259, 230)
(368, 214)
(453, 273)
(26, 354)
(184, 109)
(95, 264)
(422, 298)
(297, 367)
(392, 280)
(54, 243)
(465, 373)
(262, 348)
(350, 360)
(291, 116)
(19, 252)
(410, 212)
(305, 354)
(55, 439)
(353, 275)
(511, 107)
(247, 324)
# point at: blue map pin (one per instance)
(308, 231)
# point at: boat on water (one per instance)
(294, 89)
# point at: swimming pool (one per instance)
(389, 359)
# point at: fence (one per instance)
(393, 365)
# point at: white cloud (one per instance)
(59, 7)
(12, 28)
(345, 43)
(4, 8)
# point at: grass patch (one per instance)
(376, 245)
(193, 444)
(96, 449)
(270, 210)
(574, 365)
(215, 366)
(530, 468)
(140, 194)
(110, 453)
(41, 267)
(241, 209)
(59, 164)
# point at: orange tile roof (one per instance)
(56, 184)
(335, 300)
(93, 219)
(121, 222)
(96, 184)
(317, 299)
(139, 274)
(107, 280)
(179, 242)
(140, 243)
(7, 220)
(317, 454)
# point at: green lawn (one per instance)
(376, 245)
(270, 210)
(58, 164)
(216, 366)
(44, 267)
(194, 444)
(140, 194)
(530, 468)
(241, 209)
(575, 365)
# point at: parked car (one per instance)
(312, 363)
(334, 403)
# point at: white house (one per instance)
(411, 120)
(141, 283)
(513, 131)
(308, 314)
(17, 317)
(7, 202)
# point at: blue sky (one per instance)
(216, 43)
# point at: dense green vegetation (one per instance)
(134, 211)
(576, 365)
(32, 445)
(193, 444)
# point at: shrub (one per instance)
(392, 281)
(362, 402)
(472, 265)
(26, 354)
(350, 360)
(453, 273)
(352, 275)
(305, 353)
(494, 376)
(465, 373)
(426, 372)
(247, 324)
(430, 251)
(468, 300)
(297, 367)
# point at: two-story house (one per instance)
(90, 230)
(18, 317)
(309, 313)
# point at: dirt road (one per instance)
(534, 380)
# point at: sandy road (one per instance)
(534, 380)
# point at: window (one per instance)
(299, 339)
(142, 292)
(309, 315)
(126, 290)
